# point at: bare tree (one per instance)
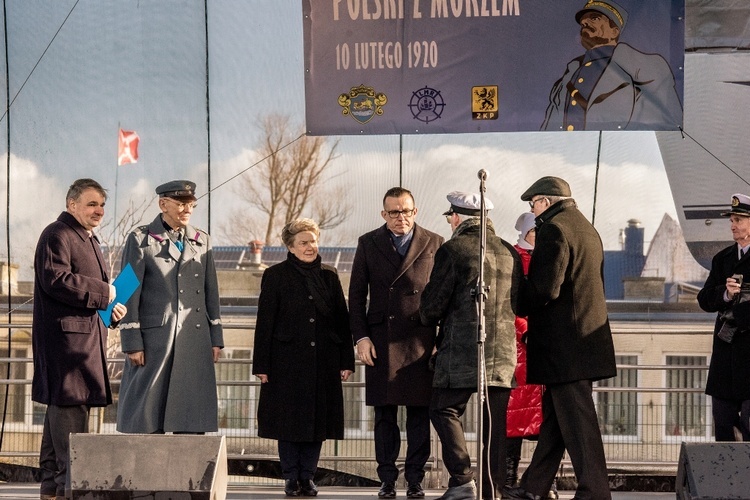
(287, 184)
(333, 209)
(114, 236)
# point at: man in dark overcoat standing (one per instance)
(728, 381)
(68, 337)
(569, 344)
(392, 264)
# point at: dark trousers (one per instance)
(514, 447)
(388, 442)
(569, 421)
(59, 423)
(495, 441)
(447, 406)
(446, 409)
(299, 460)
(730, 414)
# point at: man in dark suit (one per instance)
(728, 381)
(392, 264)
(569, 341)
(68, 337)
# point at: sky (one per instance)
(141, 65)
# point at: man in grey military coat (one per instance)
(172, 334)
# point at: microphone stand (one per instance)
(480, 296)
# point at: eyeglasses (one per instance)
(449, 218)
(181, 205)
(533, 202)
(394, 214)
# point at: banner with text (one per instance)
(456, 66)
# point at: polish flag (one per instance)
(127, 150)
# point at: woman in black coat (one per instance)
(303, 352)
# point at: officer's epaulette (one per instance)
(200, 232)
(142, 233)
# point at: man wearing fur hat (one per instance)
(569, 344)
(449, 299)
(728, 381)
(612, 86)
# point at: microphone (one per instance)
(482, 174)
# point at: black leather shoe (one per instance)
(291, 488)
(518, 492)
(414, 491)
(387, 490)
(308, 488)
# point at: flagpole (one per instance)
(117, 176)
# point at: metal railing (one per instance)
(643, 424)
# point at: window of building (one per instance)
(115, 367)
(237, 402)
(469, 418)
(358, 418)
(618, 410)
(17, 394)
(686, 412)
(38, 411)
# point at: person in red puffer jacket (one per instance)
(525, 405)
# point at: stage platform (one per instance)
(24, 491)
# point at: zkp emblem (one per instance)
(484, 102)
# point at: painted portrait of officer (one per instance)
(612, 86)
